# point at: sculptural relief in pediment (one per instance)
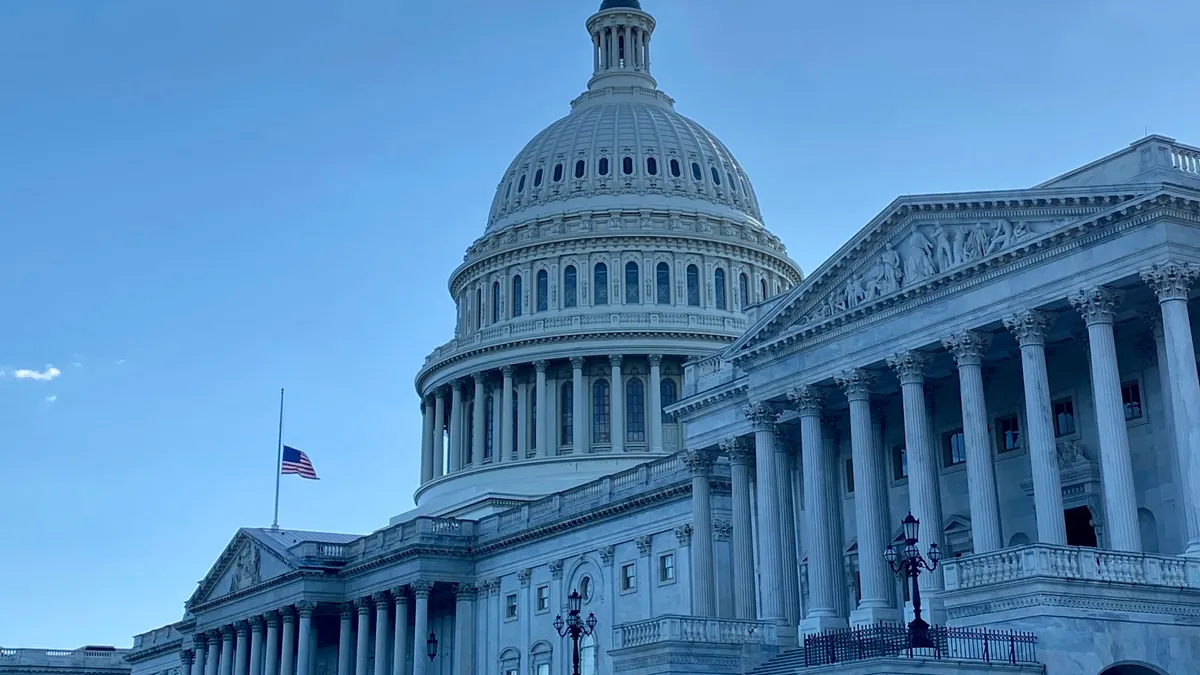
(247, 568)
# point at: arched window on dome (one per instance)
(521, 184)
(652, 166)
(570, 287)
(716, 176)
(602, 166)
(732, 182)
(489, 440)
(495, 301)
(696, 172)
(693, 285)
(600, 284)
(566, 412)
(675, 168)
(600, 411)
(516, 296)
(478, 308)
(558, 173)
(580, 168)
(537, 178)
(635, 411)
(633, 293)
(662, 283)
(762, 289)
(743, 290)
(668, 396)
(627, 166)
(719, 287)
(543, 291)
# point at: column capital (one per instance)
(615, 360)
(655, 360)
(699, 462)
(346, 610)
(645, 544)
(421, 588)
(200, 640)
(909, 366)
(457, 385)
(830, 423)
(540, 366)
(1170, 280)
(784, 441)
(1153, 318)
(465, 591)
(1096, 304)
(556, 569)
(186, 656)
(967, 347)
(306, 608)
(577, 362)
(739, 450)
(807, 400)
(762, 416)
(1029, 327)
(226, 631)
(683, 534)
(878, 410)
(440, 392)
(400, 595)
(364, 605)
(287, 615)
(722, 530)
(242, 627)
(606, 554)
(507, 372)
(856, 382)
(524, 575)
(381, 599)
(256, 624)
(480, 378)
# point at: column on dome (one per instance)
(646, 50)
(541, 412)
(872, 568)
(256, 645)
(596, 54)
(304, 637)
(967, 347)
(626, 58)
(1172, 282)
(345, 654)
(479, 421)
(427, 413)
(421, 589)
(762, 417)
(741, 461)
(464, 628)
(656, 411)
(1096, 305)
(439, 427)
(363, 633)
(617, 404)
(579, 418)
(456, 419)
(523, 431)
(704, 580)
(226, 663)
(200, 649)
(613, 60)
(212, 660)
(241, 647)
(400, 636)
(506, 417)
(381, 637)
(287, 650)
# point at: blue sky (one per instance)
(203, 202)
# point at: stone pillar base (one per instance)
(864, 616)
(788, 636)
(1192, 552)
(933, 610)
(818, 624)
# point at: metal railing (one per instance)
(892, 639)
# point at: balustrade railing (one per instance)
(893, 639)
(1071, 562)
(95, 658)
(679, 628)
(1185, 159)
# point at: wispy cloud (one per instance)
(120, 361)
(40, 375)
(51, 398)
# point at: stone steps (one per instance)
(787, 663)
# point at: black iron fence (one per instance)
(894, 639)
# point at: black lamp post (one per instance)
(909, 564)
(575, 627)
(431, 646)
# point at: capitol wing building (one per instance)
(646, 402)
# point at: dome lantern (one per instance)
(620, 31)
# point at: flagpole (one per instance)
(278, 463)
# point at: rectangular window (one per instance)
(600, 284)
(568, 413)
(899, 462)
(1064, 417)
(635, 411)
(510, 606)
(1131, 397)
(954, 448)
(1008, 434)
(543, 669)
(850, 475)
(511, 671)
(666, 567)
(543, 598)
(628, 576)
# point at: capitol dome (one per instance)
(623, 240)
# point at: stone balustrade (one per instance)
(678, 628)
(1044, 561)
(1185, 158)
(708, 373)
(91, 658)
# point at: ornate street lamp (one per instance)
(909, 564)
(575, 627)
(431, 646)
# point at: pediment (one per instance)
(920, 243)
(246, 562)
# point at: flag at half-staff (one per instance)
(296, 462)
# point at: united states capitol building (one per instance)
(646, 401)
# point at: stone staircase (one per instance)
(787, 663)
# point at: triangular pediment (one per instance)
(246, 562)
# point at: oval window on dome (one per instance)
(675, 168)
(652, 166)
(627, 166)
(603, 166)
(580, 168)
(537, 178)
(696, 172)
(716, 176)
(521, 185)
(557, 173)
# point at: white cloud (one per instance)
(76, 364)
(120, 361)
(40, 375)
(51, 398)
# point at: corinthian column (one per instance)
(873, 575)
(256, 644)
(421, 590)
(787, 527)
(200, 646)
(579, 419)
(1029, 328)
(212, 660)
(741, 460)
(187, 661)
(1096, 306)
(439, 436)
(304, 637)
(464, 628)
(823, 558)
(287, 652)
(363, 633)
(967, 348)
(381, 625)
(763, 417)
(271, 659)
(506, 417)
(400, 637)
(541, 412)
(479, 425)
(456, 426)
(617, 393)
(427, 413)
(345, 638)
(240, 648)
(704, 579)
(1172, 282)
(226, 667)
(656, 411)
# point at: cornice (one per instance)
(287, 577)
(138, 655)
(710, 398)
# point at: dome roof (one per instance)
(620, 4)
(623, 151)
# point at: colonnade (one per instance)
(766, 460)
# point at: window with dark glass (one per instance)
(495, 301)
(732, 182)
(635, 411)
(1008, 434)
(580, 168)
(532, 416)
(508, 189)
(666, 567)
(719, 287)
(633, 293)
(652, 166)
(675, 168)
(558, 170)
(600, 284)
(716, 175)
(567, 412)
(543, 291)
(899, 462)
(763, 288)
(693, 285)
(1131, 397)
(602, 166)
(627, 166)
(1064, 417)
(744, 290)
(662, 284)
(521, 185)
(570, 284)
(668, 395)
(696, 173)
(489, 440)
(537, 178)
(600, 420)
(954, 448)
(478, 308)
(516, 296)
(628, 576)
(850, 475)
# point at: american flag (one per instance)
(295, 461)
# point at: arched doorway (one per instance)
(1131, 669)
